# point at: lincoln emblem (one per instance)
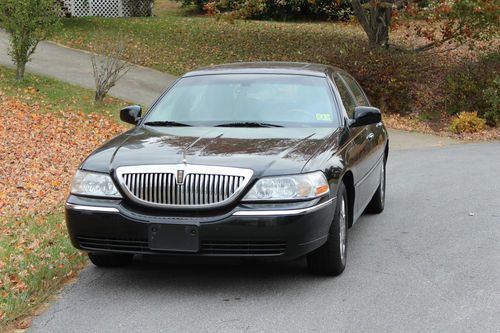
(180, 176)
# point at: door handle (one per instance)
(370, 137)
(379, 125)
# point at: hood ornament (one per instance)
(180, 172)
(180, 176)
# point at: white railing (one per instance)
(109, 8)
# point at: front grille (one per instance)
(182, 185)
(215, 248)
(197, 189)
(243, 248)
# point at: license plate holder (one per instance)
(174, 237)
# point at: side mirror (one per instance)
(131, 114)
(365, 115)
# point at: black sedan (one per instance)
(267, 160)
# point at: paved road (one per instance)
(140, 85)
(430, 262)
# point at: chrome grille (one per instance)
(200, 186)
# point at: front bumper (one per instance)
(97, 225)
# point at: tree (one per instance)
(28, 22)
(463, 21)
(375, 18)
(107, 66)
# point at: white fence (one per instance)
(109, 8)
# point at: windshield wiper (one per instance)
(165, 123)
(248, 124)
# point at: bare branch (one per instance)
(107, 67)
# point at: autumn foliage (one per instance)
(40, 153)
(462, 21)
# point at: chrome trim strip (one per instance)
(285, 212)
(92, 208)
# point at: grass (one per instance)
(54, 95)
(176, 41)
(35, 258)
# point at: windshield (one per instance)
(241, 99)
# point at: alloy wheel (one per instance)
(342, 230)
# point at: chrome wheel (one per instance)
(342, 230)
(331, 257)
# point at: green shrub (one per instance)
(467, 122)
(27, 22)
(387, 76)
(281, 9)
(492, 96)
(475, 86)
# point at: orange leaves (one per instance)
(41, 151)
(444, 8)
(25, 323)
(16, 283)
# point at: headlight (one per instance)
(94, 184)
(295, 187)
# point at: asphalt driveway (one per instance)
(430, 262)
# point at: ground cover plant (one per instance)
(47, 129)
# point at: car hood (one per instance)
(267, 151)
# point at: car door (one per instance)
(357, 148)
(374, 139)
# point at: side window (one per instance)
(359, 96)
(347, 99)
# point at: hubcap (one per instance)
(342, 230)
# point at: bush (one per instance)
(492, 96)
(475, 86)
(467, 122)
(387, 76)
(280, 9)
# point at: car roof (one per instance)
(291, 68)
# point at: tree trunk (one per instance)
(99, 97)
(375, 20)
(382, 23)
(20, 69)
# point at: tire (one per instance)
(330, 259)
(110, 259)
(377, 203)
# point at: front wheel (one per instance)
(330, 259)
(377, 204)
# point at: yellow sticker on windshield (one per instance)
(323, 117)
